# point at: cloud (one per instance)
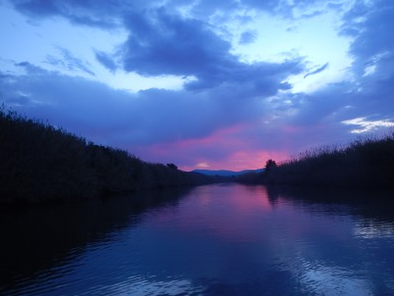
(318, 70)
(322, 117)
(89, 13)
(202, 165)
(30, 68)
(120, 118)
(37, 7)
(370, 24)
(69, 62)
(295, 9)
(109, 14)
(247, 37)
(160, 43)
(106, 60)
(367, 125)
(268, 5)
(207, 9)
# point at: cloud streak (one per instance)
(69, 62)
(318, 70)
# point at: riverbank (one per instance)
(365, 163)
(40, 163)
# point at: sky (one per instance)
(224, 84)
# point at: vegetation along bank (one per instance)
(40, 163)
(367, 163)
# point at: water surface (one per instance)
(210, 240)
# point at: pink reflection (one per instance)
(242, 214)
(235, 219)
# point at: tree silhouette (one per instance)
(270, 164)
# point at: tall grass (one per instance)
(367, 163)
(41, 163)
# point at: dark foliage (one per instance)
(41, 163)
(362, 164)
(270, 164)
(172, 166)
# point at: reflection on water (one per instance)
(211, 240)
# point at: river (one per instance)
(210, 240)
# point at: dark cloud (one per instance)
(38, 7)
(106, 60)
(104, 14)
(160, 43)
(119, 118)
(323, 106)
(89, 12)
(371, 27)
(109, 14)
(248, 37)
(372, 49)
(31, 69)
(318, 70)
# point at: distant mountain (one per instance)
(225, 173)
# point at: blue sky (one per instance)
(202, 84)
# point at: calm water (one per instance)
(210, 240)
